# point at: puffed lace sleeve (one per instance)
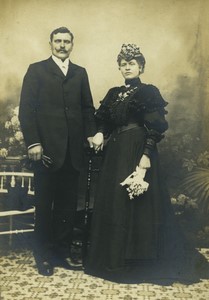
(154, 118)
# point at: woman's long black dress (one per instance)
(128, 232)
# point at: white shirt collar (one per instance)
(63, 65)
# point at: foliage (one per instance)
(11, 137)
(188, 168)
(196, 182)
(180, 149)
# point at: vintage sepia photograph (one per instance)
(104, 150)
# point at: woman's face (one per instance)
(130, 69)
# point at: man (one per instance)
(56, 116)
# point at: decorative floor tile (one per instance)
(19, 280)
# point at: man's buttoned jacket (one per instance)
(57, 111)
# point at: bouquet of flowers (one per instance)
(135, 183)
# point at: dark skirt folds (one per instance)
(132, 233)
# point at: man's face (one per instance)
(61, 45)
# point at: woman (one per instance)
(129, 231)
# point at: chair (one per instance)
(14, 184)
(17, 176)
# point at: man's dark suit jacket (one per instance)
(56, 110)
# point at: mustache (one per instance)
(62, 50)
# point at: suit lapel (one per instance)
(71, 70)
(53, 68)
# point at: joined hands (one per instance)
(96, 142)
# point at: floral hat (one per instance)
(130, 51)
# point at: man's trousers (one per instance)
(56, 204)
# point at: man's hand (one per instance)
(98, 141)
(35, 153)
(144, 162)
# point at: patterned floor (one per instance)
(19, 280)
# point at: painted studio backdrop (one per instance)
(173, 36)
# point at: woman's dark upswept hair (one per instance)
(61, 30)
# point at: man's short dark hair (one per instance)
(61, 30)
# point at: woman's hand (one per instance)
(98, 141)
(90, 139)
(144, 162)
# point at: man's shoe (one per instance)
(45, 268)
(72, 264)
